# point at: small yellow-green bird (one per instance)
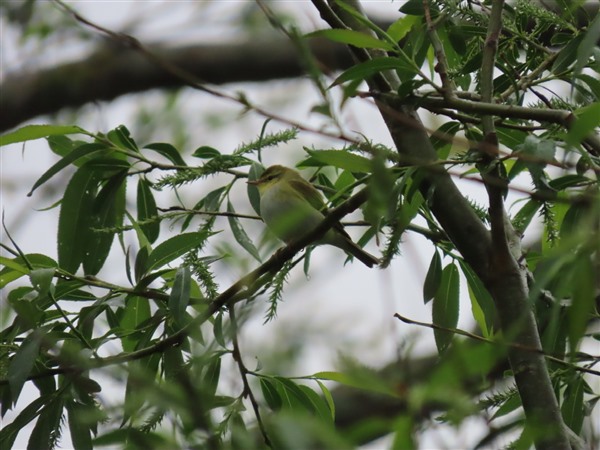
(291, 207)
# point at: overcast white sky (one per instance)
(350, 306)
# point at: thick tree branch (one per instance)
(507, 287)
(115, 70)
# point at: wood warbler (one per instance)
(291, 207)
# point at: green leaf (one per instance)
(218, 330)
(146, 210)
(173, 248)
(210, 379)
(22, 363)
(398, 29)
(270, 394)
(369, 68)
(206, 152)
(567, 55)
(254, 174)
(32, 132)
(140, 267)
(30, 412)
(85, 150)
(80, 432)
(41, 279)
(413, 7)
(510, 404)
(443, 138)
(445, 306)
(482, 303)
(75, 218)
(328, 398)
(588, 45)
(351, 37)
(293, 397)
(168, 151)
(572, 408)
(318, 403)
(403, 433)
(588, 118)
(136, 312)
(122, 139)
(47, 428)
(368, 383)
(433, 277)
(240, 234)
(341, 159)
(523, 218)
(180, 295)
(582, 307)
(107, 212)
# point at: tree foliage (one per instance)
(518, 89)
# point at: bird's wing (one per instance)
(309, 193)
(314, 198)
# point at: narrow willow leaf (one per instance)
(341, 159)
(523, 218)
(509, 405)
(107, 212)
(136, 312)
(140, 267)
(328, 398)
(413, 7)
(445, 306)
(74, 219)
(30, 412)
(482, 304)
(240, 234)
(254, 174)
(86, 150)
(443, 138)
(41, 279)
(294, 398)
(398, 29)
(218, 331)
(47, 428)
(146, 210)
(121, 137)
(180, 295)
(351, 37)
(588, 118)
(270, 394)
(369, 68)
(318, 403)
(403, 436)
(572, 408)
(433, 277)
(583, 293)
(370, 383)
(567, 55)
(206, 152)
(210, 380)
(588, 45)
(168, 151)
(173, 248)
(32, 132)
(79, 430)
(22, 363)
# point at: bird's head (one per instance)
(273, 175)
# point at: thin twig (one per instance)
(476, 337)
(247, 392)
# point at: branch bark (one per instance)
(494, 264)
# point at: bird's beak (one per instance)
(253, 182)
